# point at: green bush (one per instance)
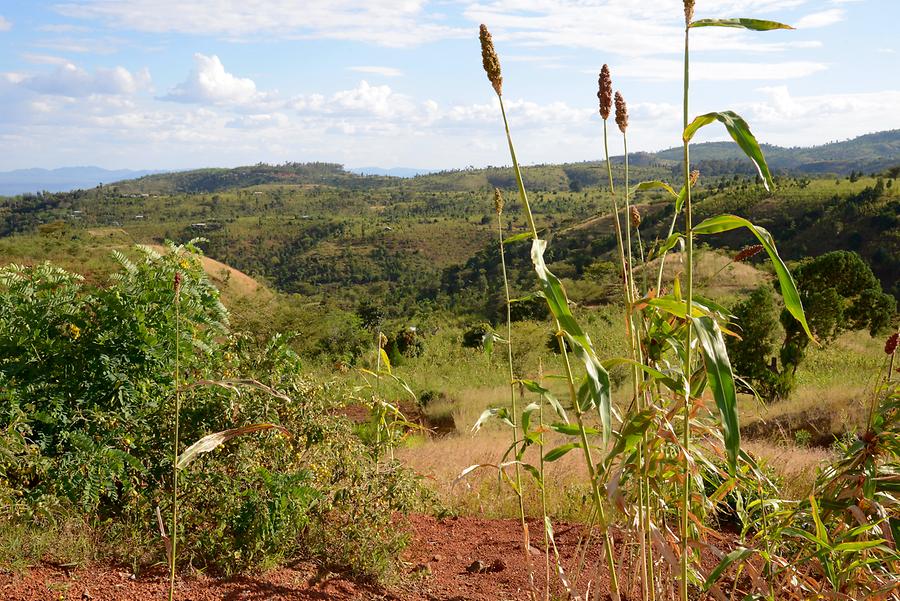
(86, 388)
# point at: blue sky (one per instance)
(168, 84)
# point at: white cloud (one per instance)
(361, 103)
(210, 83)
(5, 24)
(73, 81)
(44, 59)
(62, 28)
(793, 120)
(821, 19)
(623, 27)
(259, 121)
(383, 22)
(670, 70)
(385, 71)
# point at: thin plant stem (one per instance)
(586, 447)
(177, 378)
(765, 533)
(543, 486)
(662, 258)
(512, 386)
(377, 400)
(643, 501)
(689, 301)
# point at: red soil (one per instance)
(437, 566)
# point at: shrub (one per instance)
(86, 415)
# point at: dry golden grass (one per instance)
(442, 460)
(795, 467)
(715, 275)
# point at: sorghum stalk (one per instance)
(498, 207)
(689, 301)
(632, 220)
(492, 68)
(173, 536)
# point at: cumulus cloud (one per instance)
(614, 26)
(382, 22)
(821, 19)
(210, 83)
(5, 24)
(669, 70)
(385, 71)
(73, 81)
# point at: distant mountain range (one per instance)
(64, 179)
(869, 153)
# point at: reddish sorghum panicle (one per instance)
(748, 252)
(621, 113)
(490, 60)
(605, 92)
(635, 218)
(891, 344)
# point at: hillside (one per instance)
(429, 241)
(868, 154)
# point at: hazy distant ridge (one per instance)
(63, 179)
(868, 153)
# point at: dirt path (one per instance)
(456, 559)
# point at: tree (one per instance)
(839, 293)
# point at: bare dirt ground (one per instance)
(455, 559)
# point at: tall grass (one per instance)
(673, 453)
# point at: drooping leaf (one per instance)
(525, 420)
(533, 386)
(558, 303)
(518, 237)
(752, 24)
(212, 441)
(385, 362)
(554, 454)
(572, 429)
(789, 292)
(670, 242)
(501, 413)
(676, 307)
(740, 133)
(654, 185)
(721, 381)
(487, 342)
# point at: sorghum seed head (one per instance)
(688, 11)
(635, 217)
(498, 201)
(605, 92)
(747, 252)
(621, 113)
(490, 60)
(695, 175)
(177, 282)
(891, 345)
